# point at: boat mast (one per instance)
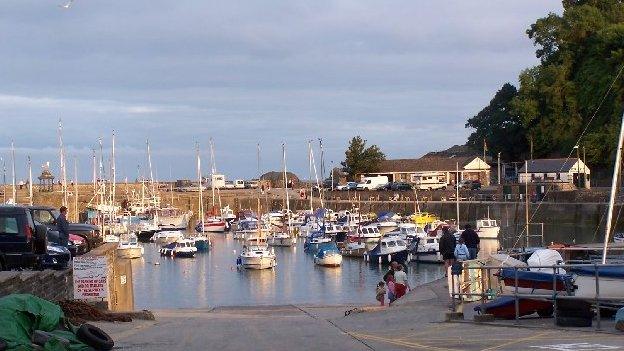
(76, 217)
(310, 177)
(286, 186)
(30, 188)
(63, 170)
(153, 189)
(94, 174)
(113, 179)
(614, 181)
(13, 169)
(526, 200)
(457, 192)
(258, 193)
(201, 190)
(322, 188)
(212, 173)
(316, 177)
(3, 179)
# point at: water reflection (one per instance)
(211, 279)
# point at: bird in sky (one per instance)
(67, 5)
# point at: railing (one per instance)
(510, 241)
(487, 293)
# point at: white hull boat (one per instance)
(167, 237)
(256, 257)
(281, 239)
(129, 247)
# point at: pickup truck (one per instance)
(24, 244)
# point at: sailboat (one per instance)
(202, 242)
(256, 253)
(213, 223)
(285, 237)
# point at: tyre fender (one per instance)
(95, 337)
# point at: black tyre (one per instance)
(573, 305)
(3, 345)
(95, 337)
(573, 322)
(576, 313)
(547, 312)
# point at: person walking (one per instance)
(461, 251)
(471, 238)
(62, 225)
(400, 282)
(447, 248)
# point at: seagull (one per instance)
(67, 5)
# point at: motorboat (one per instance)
(354, 249)
(487, 228)
(256, 256)
(387, 222)
(423, 218)
(429, 250)
(389, 249)
(281, 239)
(328, 256)
(167, 237)
(408, 231)
(227, 214)
(172, 218)
(202, 242)
(367, 233)
(181, 248)
(129, 247)
(211, 225)
(309, 227)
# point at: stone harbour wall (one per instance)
(48, 284)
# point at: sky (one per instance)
(404, 75)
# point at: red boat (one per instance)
(505, 308)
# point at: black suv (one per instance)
(90, 233)
(24, 244)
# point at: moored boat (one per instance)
(167, 237)
(256, 256)
(181, 248)
(129, 247)
(366, 233)
(389, 249)
(328, 256)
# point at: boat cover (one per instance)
(508, 273)
(607, 272)
(545, 257)
(505, 260)
(326, 248)
(21, 314)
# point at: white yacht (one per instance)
(429, 250)
(248, 227)
(256, 255)
(487, 228)
(409, 231)
(172, 218)
(368, 233)
(167, 237)
(388, 249)
(281, 239)
(181, 248)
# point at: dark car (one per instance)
(48, 215)
(23, 244)
(469, 184)
(401, 186)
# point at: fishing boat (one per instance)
(367, 233)
(256, 255)
(487, 228)
(354, 249)
(389, 249)
(181, 248)
(129, 247)
(167, 237)
(328, 256)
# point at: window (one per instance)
(391, 243)
(8, 225)
(43, 216)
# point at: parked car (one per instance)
(401, 186)
(387, 186)
(90, 233)
(347, 186)
(24, 244)
(469, 184)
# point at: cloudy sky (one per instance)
(404, 75)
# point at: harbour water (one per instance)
(211, 279)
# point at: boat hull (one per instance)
(429, 257)
(359, 253)
(333, 260)
(399, 256)
(202, 245)
(263, 262)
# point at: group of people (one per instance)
(394, 284)
(466, 248)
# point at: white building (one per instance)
(556, 170)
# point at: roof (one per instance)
(549, 165)
(424, 164)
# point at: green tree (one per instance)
(361, 159)
(499, 126)
(581, 53)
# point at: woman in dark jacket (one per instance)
(447, 248)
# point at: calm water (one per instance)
(211, 279)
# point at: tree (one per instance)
(499, 126)
(361, 159)
(581, 53)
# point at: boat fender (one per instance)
(95, 337)
(379, 260)
(389, 258)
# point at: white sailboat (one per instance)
(285, 237)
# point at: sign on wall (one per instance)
(90, 277)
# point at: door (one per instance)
(13, 241)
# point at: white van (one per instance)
(429, 180)
(371, 183)
(218, 181)
(239, 184)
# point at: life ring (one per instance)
(95, 337)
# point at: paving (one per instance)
(414, 323)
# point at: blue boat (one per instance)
(202, 243)
(314, 241)
(328, 255)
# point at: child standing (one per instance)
(381, 293)
(461, 251)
